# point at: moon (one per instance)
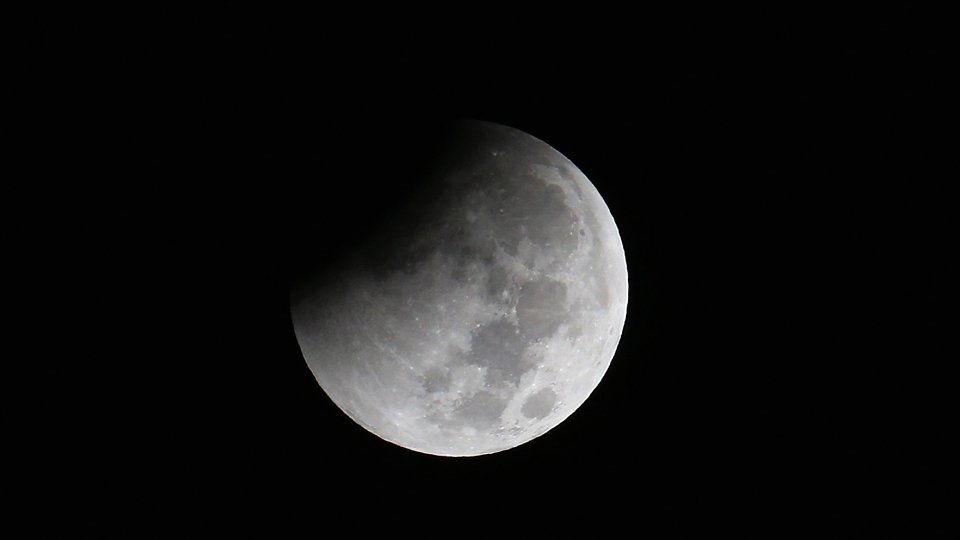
(487, 311)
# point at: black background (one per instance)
(783, 367)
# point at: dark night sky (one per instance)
(783, 365)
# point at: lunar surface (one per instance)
(485, 315)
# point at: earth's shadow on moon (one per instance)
(375, 178)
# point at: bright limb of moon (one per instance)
(484, 318)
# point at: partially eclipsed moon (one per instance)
(484, 318)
